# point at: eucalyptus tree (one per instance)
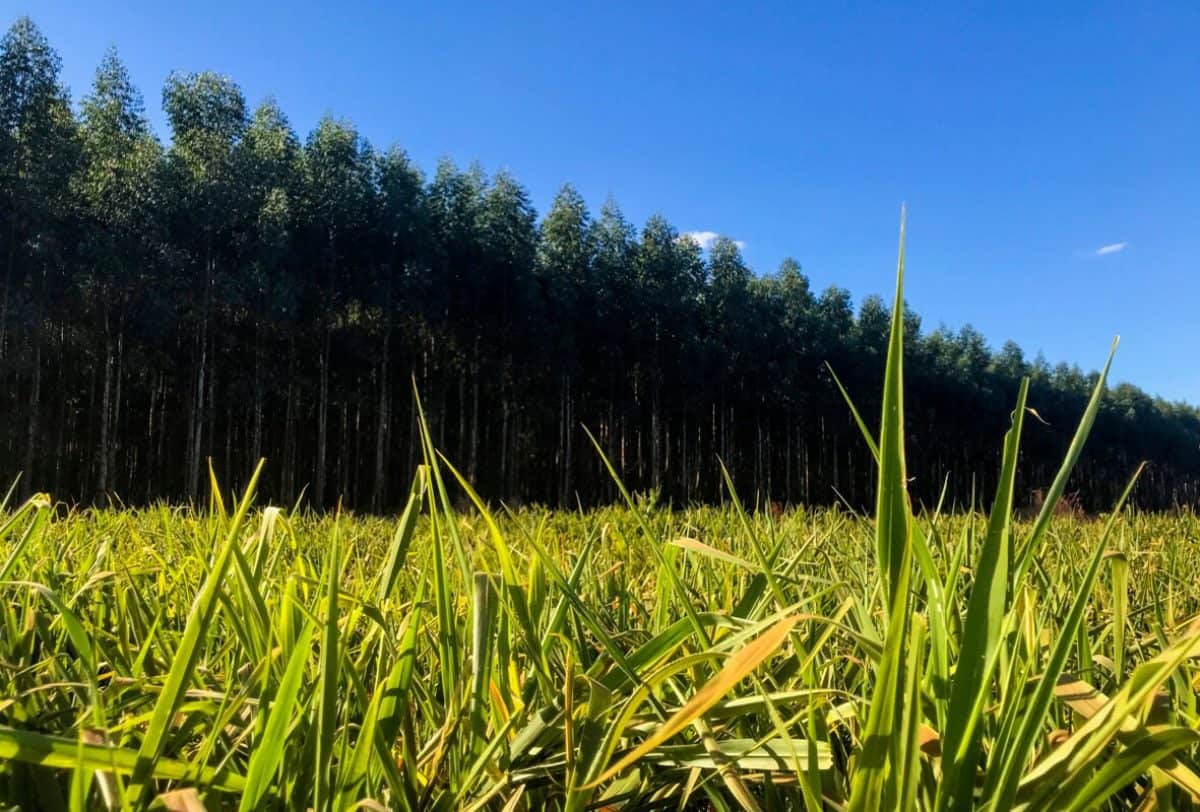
(614, 271)
(510, 308)
(39, 154)
(266, 291)
(117, 191)
(565, 267)
(338, 201)
(668, 285)
(730, 319)
(456, 225)
(786, 337)
(830, 432)
(400, 292)
(207, 116)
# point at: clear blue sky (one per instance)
(1024, 137)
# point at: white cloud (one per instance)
(1111, 249)
(705, 239)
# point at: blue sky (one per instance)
(1049, 154)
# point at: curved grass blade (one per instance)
(739, 666)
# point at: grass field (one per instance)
(631, 657)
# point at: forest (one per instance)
(236, 291)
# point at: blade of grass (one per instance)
(739, 665)
(876, 780)
(186, 655)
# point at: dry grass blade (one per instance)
(1087, 700)
(740, 665)
(182, 800)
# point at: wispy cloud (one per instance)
(1111, 249)
(705, 239)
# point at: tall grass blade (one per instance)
(878, 777)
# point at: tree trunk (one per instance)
(289, 443)
(322, 424)
(473, 454)
(462, 417)
(105, 407)
(378, 492)
(198, 413)
(569, 461)
(35, 397)
(115, 432)
(8, 273)
(256, 430)
(505, 480)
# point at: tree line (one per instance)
(239, 292)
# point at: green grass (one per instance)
(629, 657)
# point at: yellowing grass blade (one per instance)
(739, 666)
(1087, 700)
(710, 551)
(182, 800)
(1126, 766)
(1087, 745)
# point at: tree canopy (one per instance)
(239, 291)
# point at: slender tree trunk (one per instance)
(655, 432)
(569, 461)
(198, 421)
(557, 472)
(8, 274)
(378, 492)
(473, 458)
(345, 455)
(116, 407)
(193, 415)
(209, 447)
(256, 430)
(462, 417)
(413, 436)
(322, 424)
(105, 407)
(151, 460)
(228, 464)
(787, 462)
(289, 444)
(356, 460)
(162, 420)
(35, 398)
(506, 483)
